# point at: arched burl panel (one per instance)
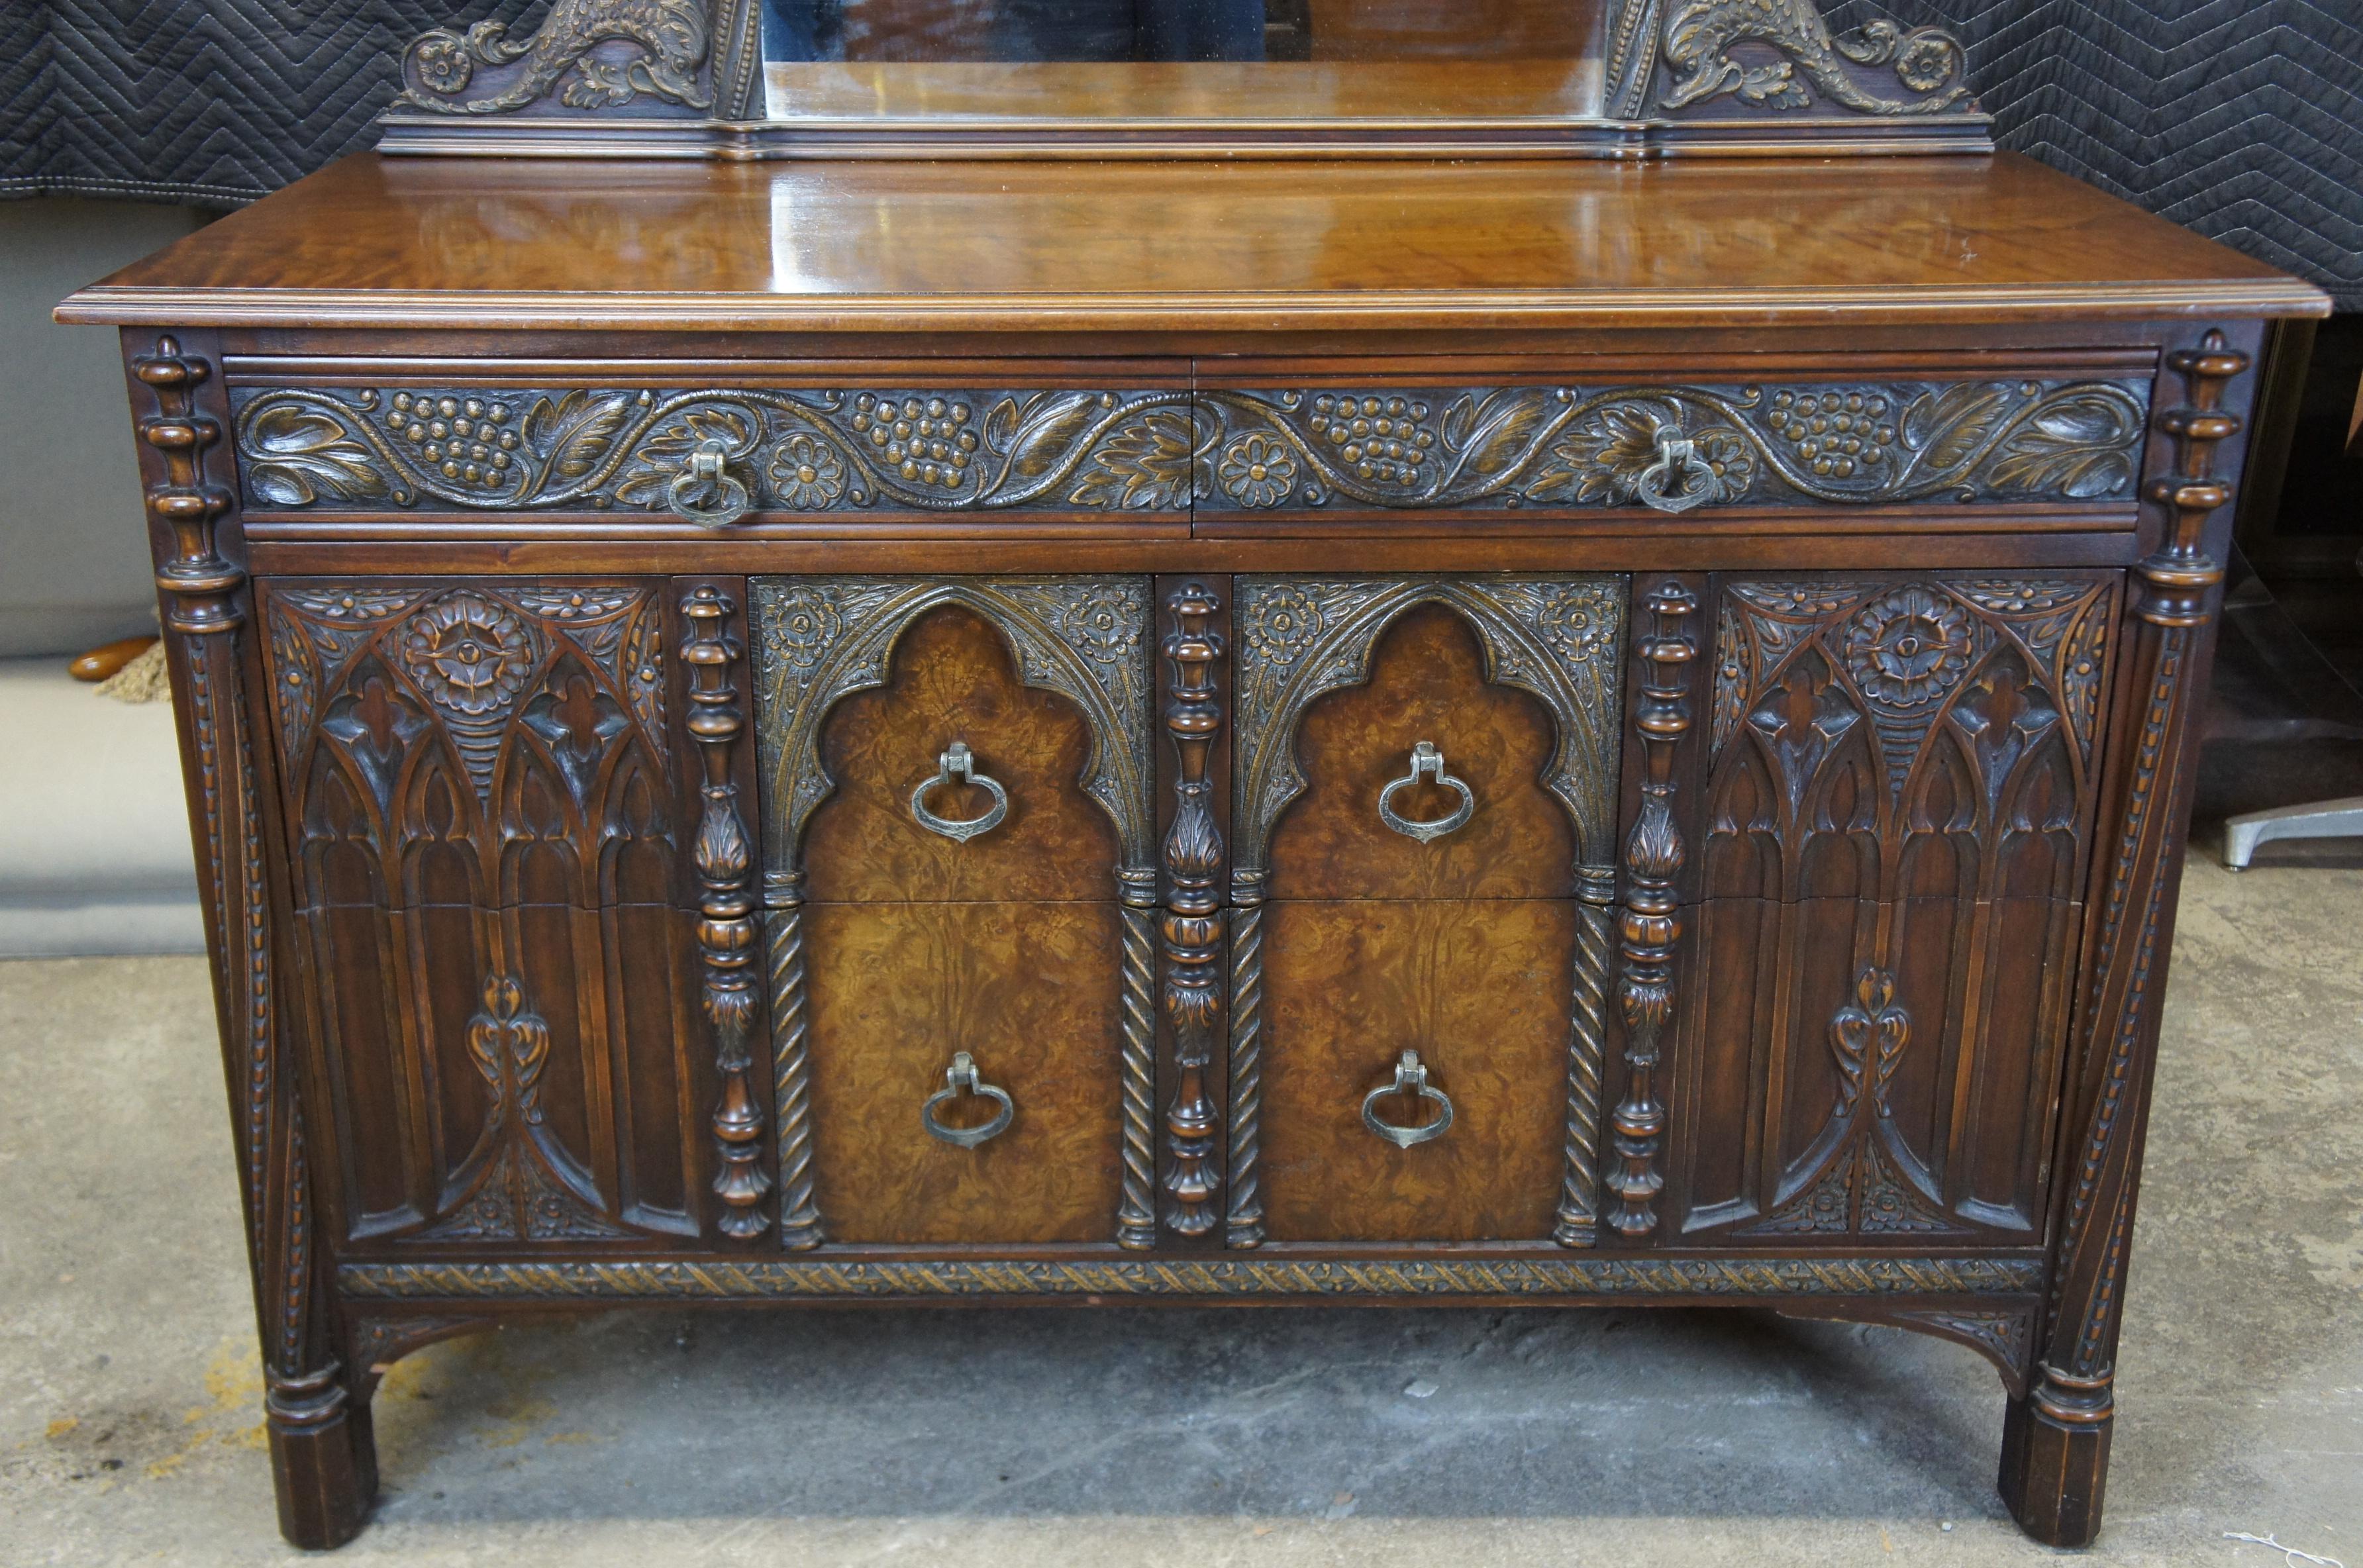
(1896, 824)
(482, 834)
(1483, 949)
(893, 945)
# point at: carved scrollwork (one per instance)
(598, 448)
(1704, 41)
(669, 42)
(1845, 443)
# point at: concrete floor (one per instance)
(129, 1400)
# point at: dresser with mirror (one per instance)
(1538, 652)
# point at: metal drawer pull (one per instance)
(1679, 478)
(1411, 1077)
(961, 1075)
(1428, 762)
(706, 468)
(960, 764)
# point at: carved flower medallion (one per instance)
(807, 473)
(1280, 621)
(1103, 622)
(802, 625)
(1256, 470)
(1908, 647)
(467, 652)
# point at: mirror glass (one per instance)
(1182, 61)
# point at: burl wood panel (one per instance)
(1479, 987)
(1427, 683)
(1897, 823)
(1030, 992)
(951, 679)
(500, 993)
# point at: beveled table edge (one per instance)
(397, 309)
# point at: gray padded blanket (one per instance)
(2241, 119)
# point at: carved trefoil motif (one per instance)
(479, 783)
(1897, 822)
(820, 639)
(1299, 638)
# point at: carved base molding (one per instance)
(1865, 1275)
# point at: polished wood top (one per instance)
(427, 243)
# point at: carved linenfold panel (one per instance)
(1716, 47)
(481, 820)
(1864, 1274)
(1577, 446)
(591, 448)
(1897, 827)
(1555, 639)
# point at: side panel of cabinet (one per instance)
(1021, 946)
(1895, 821)
(502, 991)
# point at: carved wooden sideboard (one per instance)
(1545, 730)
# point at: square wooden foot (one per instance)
(2054, 1470)
(324, 1467)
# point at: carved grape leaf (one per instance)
(2078, 445)
(1145, 464)
(302, 456)
(1034, 436)
(576, 432)
(1499, 433)
(1947, 427)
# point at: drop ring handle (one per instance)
(1411, 1078)
(708, 468)
(1679, 478)
(962, 1075)
(1427, 762)
(958, 764)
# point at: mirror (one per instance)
(1171, 63)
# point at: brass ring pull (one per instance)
(1427, 762)
(961, 1075)
(707, 467)
(1411, 1078)
(1679, 478)
(959, 763)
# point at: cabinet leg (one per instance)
(322, 1459)
(2055, 1458)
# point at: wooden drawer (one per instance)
(1481, 947)
(867, 441)
(918, 914)
(1283, 439)
(1893, 841)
